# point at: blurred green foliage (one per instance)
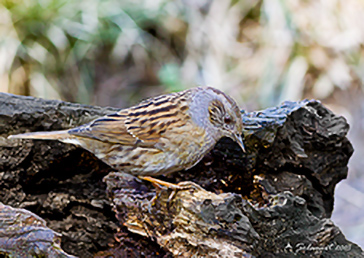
(116, 52)
(65, 49)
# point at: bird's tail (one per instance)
(55, 135)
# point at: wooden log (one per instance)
(238, 205)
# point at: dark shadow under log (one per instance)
(273, 201)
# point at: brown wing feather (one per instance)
(109, 128)
(143, 124)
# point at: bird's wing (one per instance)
(110, 128)
(143, 125)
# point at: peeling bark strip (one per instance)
(239, 206)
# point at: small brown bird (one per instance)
(160, 135)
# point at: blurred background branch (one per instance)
(110, 52)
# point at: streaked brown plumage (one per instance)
(160, 135)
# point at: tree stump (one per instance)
(275, 200)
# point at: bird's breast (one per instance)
(189, 144)
(178, 149)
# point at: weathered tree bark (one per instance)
(273, 201)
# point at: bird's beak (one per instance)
(237, 138)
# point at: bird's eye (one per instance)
(227, 120)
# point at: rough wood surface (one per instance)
(240, 205)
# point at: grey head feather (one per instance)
(200, 113)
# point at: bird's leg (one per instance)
(175, 187)
(160, 183)
(156, 183)
(180, 186)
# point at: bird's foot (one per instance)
(166, 185)
(163, 184)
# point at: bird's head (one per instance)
(225, 116)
